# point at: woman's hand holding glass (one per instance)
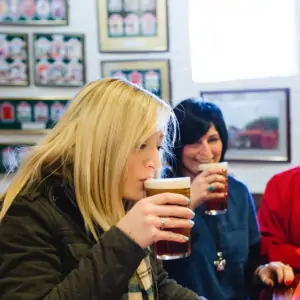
(207, 185)
(146, 221)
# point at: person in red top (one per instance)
(279, 217)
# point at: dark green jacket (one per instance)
(45, 253)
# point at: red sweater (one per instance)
(279, 218)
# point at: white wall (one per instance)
(83, 19)
(257, 175)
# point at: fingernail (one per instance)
(193, 213)
(192, 222)
(187, 200)
(186, 238)
(288, 282)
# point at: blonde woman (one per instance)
(75, 223)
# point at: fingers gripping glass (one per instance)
(167, 250)
(218, 205)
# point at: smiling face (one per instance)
(208, 149)
(142, 165)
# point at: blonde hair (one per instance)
(90, 147)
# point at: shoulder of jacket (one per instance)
(286, 175)
(38, 206)
(237, 184)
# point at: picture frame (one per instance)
(14, 59)
(258, 123)
(59, 59)
(126, 26)
(153, 75)
(34, 12)
(11, 155)
(30, 115)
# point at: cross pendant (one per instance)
(220, 263)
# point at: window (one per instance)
(242, 39)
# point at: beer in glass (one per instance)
(164, 249)
(217, 206)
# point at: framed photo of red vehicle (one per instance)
(258, 123)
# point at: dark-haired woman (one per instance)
(225, 256)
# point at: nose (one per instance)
(204, 149)
(154, 162)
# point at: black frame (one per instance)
(26, 38)
(45, 23)
(82, 36)
(8, 130)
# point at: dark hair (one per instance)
(194, 120)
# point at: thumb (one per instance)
(266, 278)
(268, 281)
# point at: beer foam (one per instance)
(222, 165)
(168, 183)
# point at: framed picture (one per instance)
(59, 59)
(11, 155)
(258, 123)
(153, 75)
(14, 59)
(33, 12)
(30, 115)
(133, 26)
